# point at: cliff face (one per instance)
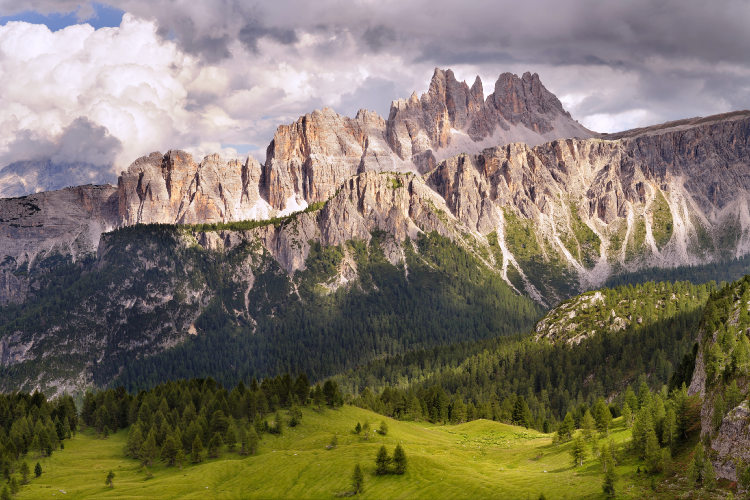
(309, 159)
(175, 189)
(454, 118)
(148, 285)
(722, 377)
(48, 227)
(596, 206)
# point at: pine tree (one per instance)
(565, 431)
(5, 495)
(521, 413)
(38, 469)
(588, 425)
(214, 445)
(358, 480)
(24, 469)
(169, 450)
(230, 439)
(399, 460)
(109, 481)
(669, 430)
(627, 415)
(602, 415)
(357, 428)
(382, 461)
(196, 454)
(578, 451)
(652, 452)
(609, 482)
(709, 475)
(383, 429)
(14, 486)
(149, 450)
(695, 468)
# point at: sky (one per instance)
(107, 82)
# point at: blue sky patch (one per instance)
(104, 16)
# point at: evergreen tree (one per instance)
(169, 450)
(366, 430)
(231, 438)
(669, 430)
(179, 457)
(196, 454)
(602, 415)
(627, 415)
(709, 475)
(214, 445)
(382, 461)
(38, 469)
(652, 452)
(695, 468)
(609, 483)
(357, 428)
(521, 412)
(295, 416)
(5, 495)
(358, 480)
(383, 429)
(578, 451)
(109, 481)
(149, 450)
(14, 486)
(565, 431)
(399, 460)
(588, 425)
(24, 469)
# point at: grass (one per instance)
(479, 459)
(637, 239)
(663, 225)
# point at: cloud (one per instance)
(81, 141)
(199, 75)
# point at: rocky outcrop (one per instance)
(454, 118)
(399, 205)
(175, 189)
(722, 377)
(64, 224)
(647, 199)
(308, 160)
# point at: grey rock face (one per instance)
(65, 223)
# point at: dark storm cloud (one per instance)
(672, 57)
(377, 37)
(254, 31)
(80, 142)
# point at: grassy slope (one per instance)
(480, 459)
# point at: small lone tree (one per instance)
(334, 443)
(383, 429)
(110, 478)
(358, 479)
(357, 428)
(38, 469)
(399, 460)
(382, 461)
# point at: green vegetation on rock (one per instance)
(662, 225)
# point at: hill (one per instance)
(480, 459)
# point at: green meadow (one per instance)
(479, 459)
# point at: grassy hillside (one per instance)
(480, 459)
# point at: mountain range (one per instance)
(509, 184)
